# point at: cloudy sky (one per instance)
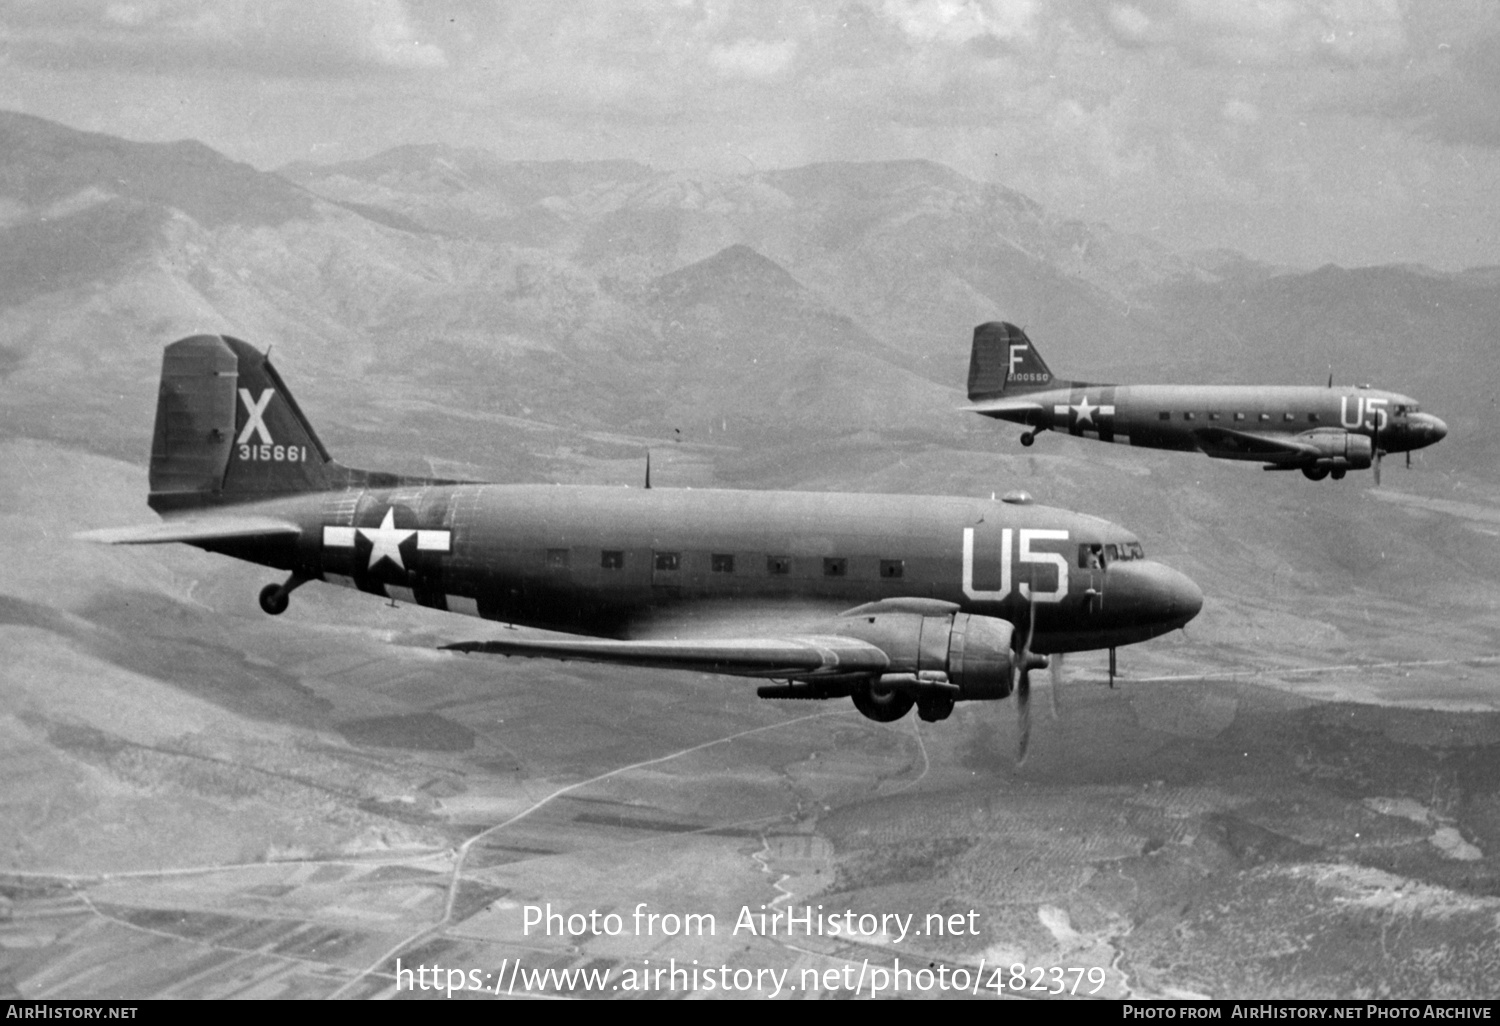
(1297, 131)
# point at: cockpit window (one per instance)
(1095, 556)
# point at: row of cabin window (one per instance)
(723, 563)
(1312, 418)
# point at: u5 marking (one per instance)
(1024, 554)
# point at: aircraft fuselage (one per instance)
(1172, 416)
(640, 563)
(1320, 431)
(1175, 416)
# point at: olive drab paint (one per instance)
(894, 601)
(1322, 432)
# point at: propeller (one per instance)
(1021, 668)
(1055, 669)
(1375, 443)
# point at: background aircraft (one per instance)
(894, 601)
(1319, 431)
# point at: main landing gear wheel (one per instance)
(883, 705)
(1338, 475)
(1315, 473)
(274, 600)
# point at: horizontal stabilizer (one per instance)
(799, 657)
(1004, 408)
(194, 529)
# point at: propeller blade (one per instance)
(1022, 686)
(1377, 468)
(1055, 669)
(1023, 711)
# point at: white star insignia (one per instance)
(1085, 411)
(386, 540)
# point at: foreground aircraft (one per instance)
(1319, 431)
(891, 600)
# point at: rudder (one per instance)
(1004, 362)
(228, 430)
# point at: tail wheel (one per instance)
(883, 705)
(1028, 438)
(274, 599)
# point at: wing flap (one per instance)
(792, 656)
(1227, 444)
(194, 529)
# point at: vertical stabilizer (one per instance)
(1004, 362)
(227, 430)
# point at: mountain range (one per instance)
(437, 309)
(754, 311)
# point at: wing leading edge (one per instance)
(802, 657)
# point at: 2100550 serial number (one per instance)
(274, 453)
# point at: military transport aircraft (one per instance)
(891, 600)
(1320, 431)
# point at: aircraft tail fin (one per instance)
(228, 430)
(1004, 362)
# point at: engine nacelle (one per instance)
(965, 657)
(1343, 450)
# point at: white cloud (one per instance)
(961, 21)
(1267, 32)
(1240, 112)
(269, 35)
(1130, 23)
(753, 59)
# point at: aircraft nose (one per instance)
(1147, 594)
(1434, 427)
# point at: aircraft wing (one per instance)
(1005, 409)
(1226, 444)
(803, 656)
(194, 529)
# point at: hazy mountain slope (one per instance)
(373, 312)
(910, 250)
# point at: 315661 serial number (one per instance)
(274, 453)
